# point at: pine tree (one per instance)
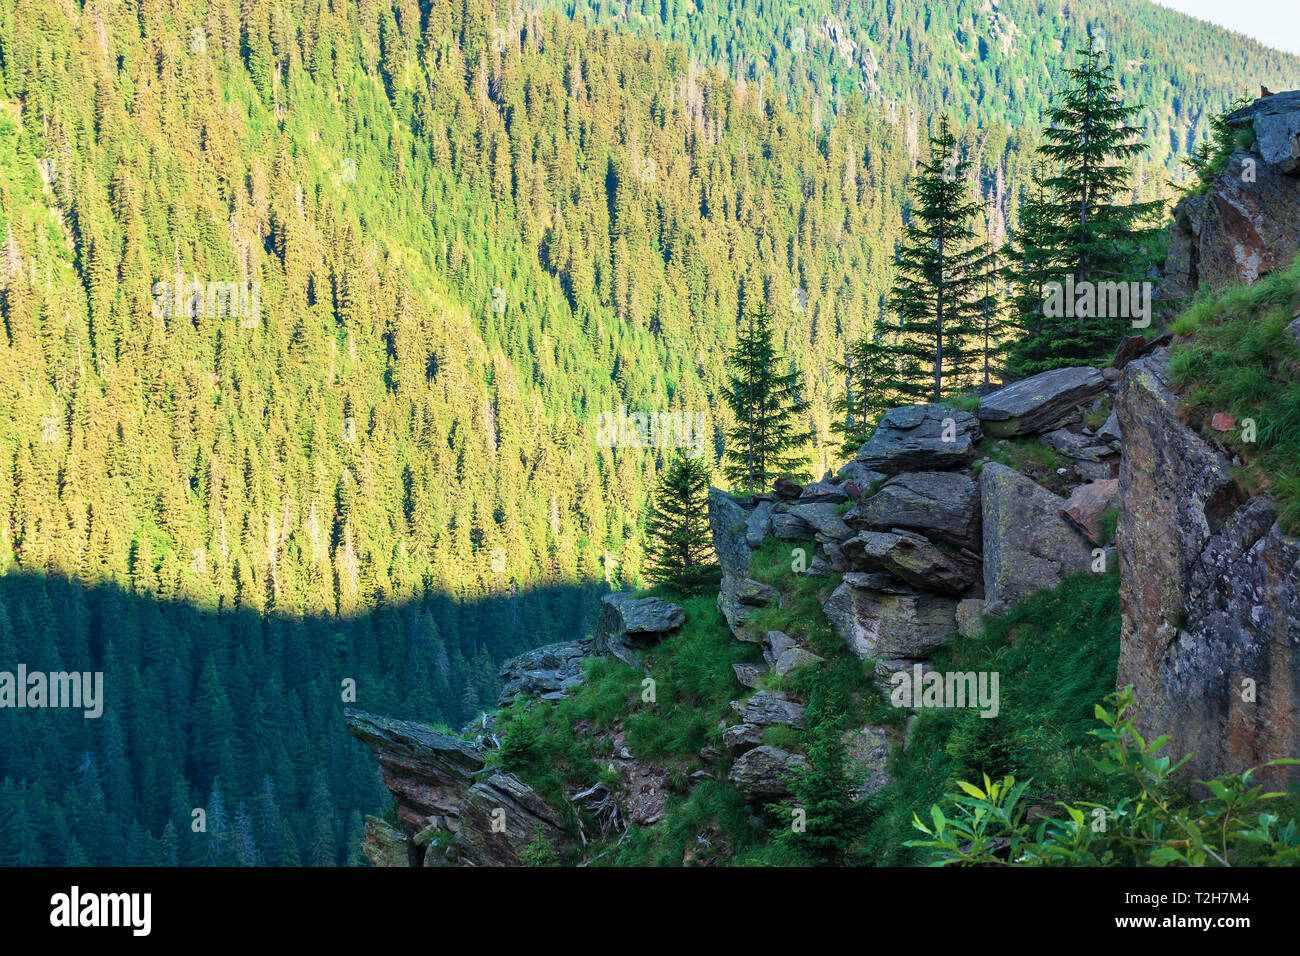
(767, 440)
(868, 368)
(1093, 237)
(678, 543)
(939, 265)
(1031, 258)
(833, 822)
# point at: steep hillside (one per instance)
(990, 62)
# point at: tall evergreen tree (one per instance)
(678, 543)
(1092, 235)
(767, 440)
(935, 297)
(868, 368)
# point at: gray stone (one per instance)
(1028, 545)
(866, 758)
(776, 643)
(914, 559)
(791, 527)
(749, 675)
(729, 523)
(764, 772)
(736, 740)
(888, 622)
(822, 492)
(769, 707)
(1111, 431)
(970, 616)
(551, 669)
(627, 625)
(1209, 592)
(824, 519)
(940, 505)
(1077, 446)
(1038, 403)
(738, 598)
(921, 437)
(860, 475)
(758, 525)
(793, 659)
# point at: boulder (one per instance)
(1077, 446)
(776, 643)
(736, 740)
(824, 519)
(626, 625)
(1111, 430)
(1275, 120)
(1244, 226)
(818, 492)
(1136, 346)
(791, 527)
(866, 758)
(758, 525)
(914, 559)
(860, 476)
(970, 616)
(920, 437)
(549, 670)
(786, 490)
(501, 816)
(729, 523)
(749, 675)
(738, 598)
(1039, 403)
(769, 707)
(385, 845)
(1027, 544)
(882, 677)
(763, 774)
(881, 617)
(793, 659)
(1088, 503)
(1209, 592)
(937, 504)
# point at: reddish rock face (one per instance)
(1210, 594)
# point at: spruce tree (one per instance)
(1031, 258)
(767, 440)
(869, 366)
(1092, 145)
(939, 267)
(678, 543)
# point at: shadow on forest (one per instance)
(234, 713)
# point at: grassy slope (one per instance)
(1056, 653)
(1241, 359)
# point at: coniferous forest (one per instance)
(311, 309)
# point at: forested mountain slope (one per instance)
(430, 244)
(985, 61)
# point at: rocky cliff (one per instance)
(944, 518)
(1210, 584)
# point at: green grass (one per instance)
(1241, 359)
(1056, 654)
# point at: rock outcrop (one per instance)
(921, 438)
(627, 625)
(1028, 545)
(1210, 591)
(548, 672)
(450, 806)
(1039, 403)
(1248, 223)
